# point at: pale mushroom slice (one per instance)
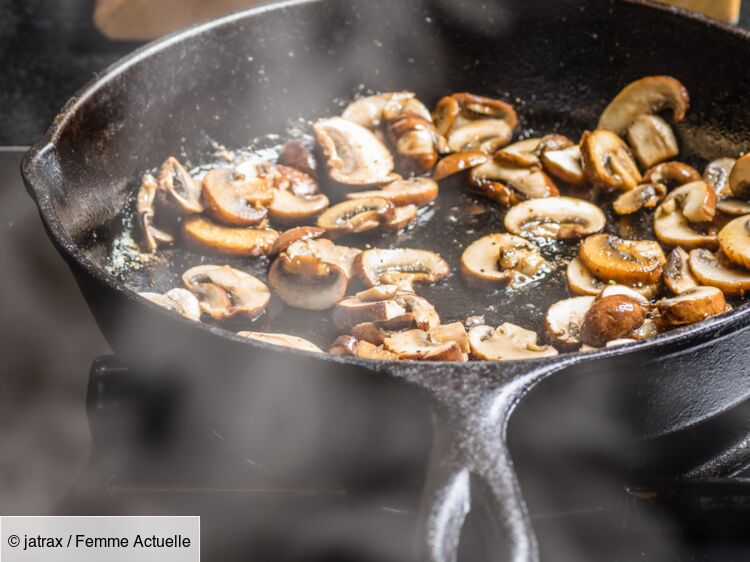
(529, 182)
(671, 174)
(458, 162)
(290, 208)
(716, 174)
(691, 306)
(327, 251)
(631, 262)
(682, 218)
(554, 217)
(623, 290)
(563, 322)
(501, 259)
(307, 282)
(652, 140)
(647, 96)
(649, 329)
(507, 342)
(353, 311)
(716, 270)
(582, 282)
(233, 241)
(734, 241)
(282, 340)
(475, 134)
(357, 215)
(368, 111)
(524, 154)
(611, 317)
(677, 275)
(225, 292)
(564, 164)
(733, 206)
(400, 266)
(739, 178)
(289, 237)
(235, 199)
(644, 196)
(181, 301)
(144, 206)
(608, 162)
(453, 332)
(418, 345)
(403, 217)
(354, 155)
(414, 191)
(184, 192)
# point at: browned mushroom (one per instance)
(233, 241)
(734, 240)
(652, 140)
(290, 208)
(285, 178)
(225, 292)
(289, 237)
(554, 217)
(458, 162)
(739, 178)
(472, 122)
(582, 282)
(152, 236)
(184, 194)
(715, 270)
(368, 111)
(631, 262)
(181, 301)
(691, 306)
(400, 311)
(524, 154)
(680, 219)
(607, 161)
(610, 318)
(716, 174)
(414, 191)
(563, 322)
(644, 196)
(418, 345)
(677, 274)
(501, 259)
(565, 164)
(403, 217)
(235, 199)
(298, 154)
(357, 215)
(283, 340)
(506, 343)
(647, 96)
(671, 174)
(412, 133)
(303, 280)
(400, 266)
(528, 182)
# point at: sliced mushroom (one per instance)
(453, 332)
(298, 154)
(233, 241)
(414, 191)
(184, 193)
(400, 266)
(235, 199)
(288, 207)
(563, 322)
(475, 134)
(733, 206)
(412, 134)
(458, 162)
(152, 236)
(677, 274)
(354, 155)
(181, 301)
(225, 292)
(715, 270)
(649, 329)
(555, 217)
(357, 215)
(495, 117)
(326, 251)
(506, 343)
(289, 237)
(691, 203)
(671, 174)
(607, 161)
(354, 311)
(523, 153)
(644, 196)
(630, 262)
(344, 345)
(739, 177)
(529, 183)
(303, 280)
(285, 178)
(501, 259)
(734, 241)
(652, 140)
(610, 318)
(368, 111)
(623, 290)
(418, 345)
(717, 173)
(647, 96)
(565, 164)
(283, 340)
(582, 282)
(365, 350)
(691, 306)
(403, 217)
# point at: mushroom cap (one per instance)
(458, 162)
(607, 161)
(419, 346)
(644, 196)
(354, 155)
(177, 300)
(327, 252)
(505, 343)
(289, 237)
(524, 154)
(715, 270)
(623, 290)
(415, 140)
(563, 322)
(357, 215)
(582, 282)
(529, 182)
(555, 217)
(612, 317)
(739, 177)
(481, 260)
(565, 164)
(693, 202)
(677, 274)
(691, 306)
(671, 174)
(479, 107)
(184, 192)
(414, 191)
(647, 96)
(368, 111)
(474, 134)
(630, 262)
(716, 174)
(652, 140)
(235, 199)
(734, 240)
(307, 282)
(283, 340)
(234, 241)
(397, 265)
(243, 294)
(288, 207)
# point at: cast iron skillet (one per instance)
(245, 75)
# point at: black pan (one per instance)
(248, 75)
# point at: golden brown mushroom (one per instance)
(715, 270)
(282, 340)
(607, 161)
(681, 218)
(652, 140)
(671, 174)
(235, 199)
(611, 318)
(691, 306)
(564, 164)
(357, 215)
(677, 274)
(234, 241)
(554, 217)
(630, 262)
(644, 196)
(528, 182)
(458, 162)
(414, 191)
(400, 266)
(734, 241)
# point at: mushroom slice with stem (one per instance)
(402, 218)
(523, 153)
(716, 270)
(555, 217)
(677, 274)
(413, 191)
(734, 241)
(412, 134)
(354, 155)
(400, 266)
(285, 178)
(612, 317)
(289, 237)
(298, 154)
(506, 343)
(631, 262)
(327, 251)
(625, 290)
(563, 322)
(565, 164)
(652, 140)
(682, 218)
(283, 340)
(289, 208)
(733, 206)
(644, 196)
(184, 192)
(647, 96)
(144, 206)
(607, 161)
(181, 301)
(235, 199)
(354, 311)
(501, 259)
(528, 182)
(458, 162)
(357, 215)
(225, 292)
(716, 174)
(418, 345)
(671, 174)
(453, 332)
(739, 177)
(303, 280)
(233, 241)
(691, 306)
(582, 282)
(475, 134)
(368, 111)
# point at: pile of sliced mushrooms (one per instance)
(381, 162)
